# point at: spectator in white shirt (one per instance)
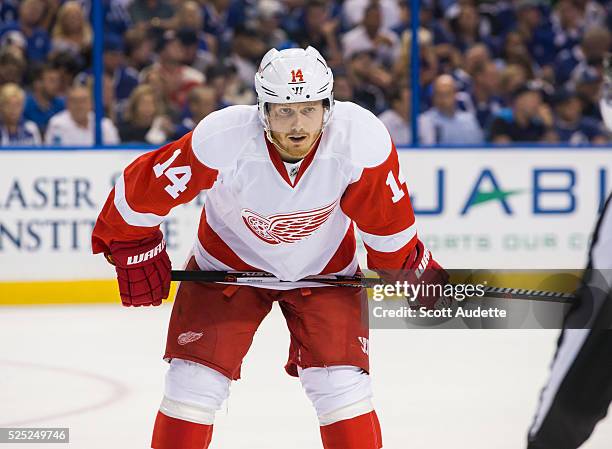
(444, 124)
(76, 125)
(14, 130)
(397, 118)
(371, 36)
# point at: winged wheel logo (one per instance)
(287, 228)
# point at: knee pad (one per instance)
(337, 392)
(193, 392)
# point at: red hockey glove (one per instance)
(143, 270)
(423, 272)
(421, 268)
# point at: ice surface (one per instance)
(98, 370)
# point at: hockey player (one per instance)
(579, 391)
(285, 180)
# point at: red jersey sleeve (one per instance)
(379, 204)
(147, 190)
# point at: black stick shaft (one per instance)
(257, 277)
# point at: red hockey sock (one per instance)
(172, 433)
(361, 432)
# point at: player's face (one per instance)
(295, 127)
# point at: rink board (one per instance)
(480, 208)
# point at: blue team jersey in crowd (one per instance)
(125, 80)
(38, 44)
(542, 45)
(35, 113)
(485, 112)
(26, 135)
(8, 11)
(566, 62)
(117, 18)
(582, 132)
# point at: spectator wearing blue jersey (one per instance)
(9, 11)
(444, 123)
(14, 130)
(404, 18)
(117, 18)
(475, 56)
(570, 125)
(31, 15)
(440, 31)
(536, 30)
(199, 47)
(44, 100)
(125, 79)
(221, 18)
(465, 25)
(566, 62)
(484, 95)
(460, 68)
(588, 86)
(590, 53)
(567, 25)
(216, 15)
(201, 101)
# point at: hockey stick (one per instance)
(260, 277)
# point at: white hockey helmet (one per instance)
(293, 75)
(605, 103)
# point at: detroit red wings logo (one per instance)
(188, 337)
(287, 228)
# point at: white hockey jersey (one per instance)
(255, 217)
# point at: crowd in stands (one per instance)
(498, 71)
